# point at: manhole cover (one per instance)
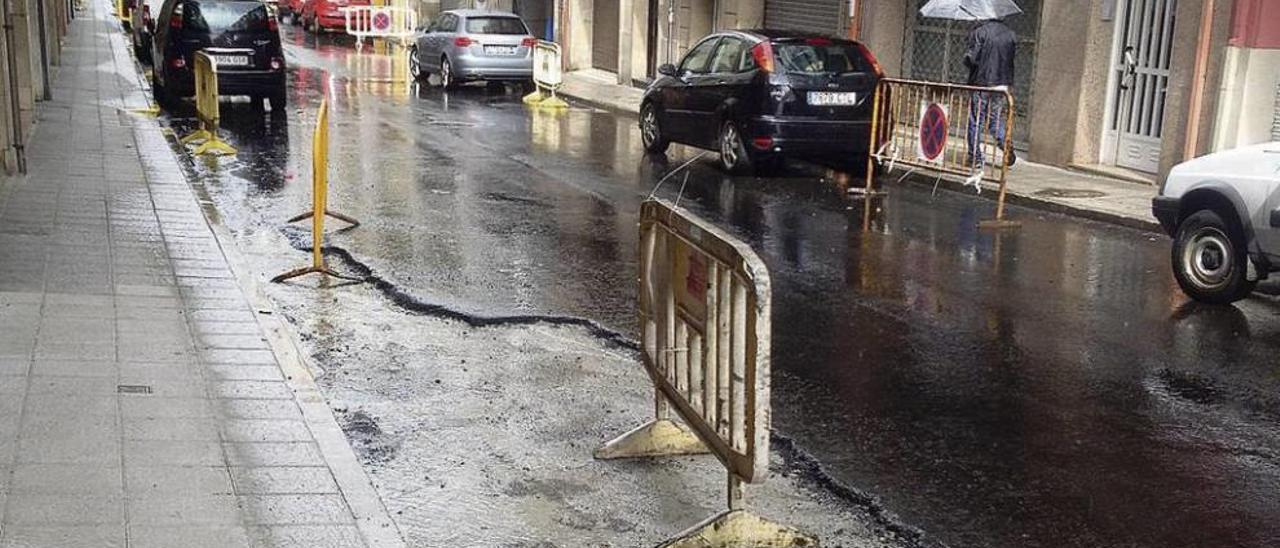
(133, 389)
(450, 123)
(1069, 193)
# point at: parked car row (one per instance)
(318, 15)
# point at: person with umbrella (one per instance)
(989, 58)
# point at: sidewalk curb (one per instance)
(1030, 202)
(372, 519)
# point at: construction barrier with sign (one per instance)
(547, 76)
(387, 22)
(206, 74)
(319, 201)
(704, 314)
(946, 128)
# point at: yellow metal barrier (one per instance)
(123, 13)
(704, 314)
(319, 201)
(547, 76)
(954, 129)
(206, 73)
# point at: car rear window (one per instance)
(495, 25)
(220, 17)
(818, 57)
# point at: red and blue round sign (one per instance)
(933, 131)
(381, 21)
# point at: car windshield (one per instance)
(220, 17)
(818, 58)
(496, 25)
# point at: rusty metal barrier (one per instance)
(945, 128)
(704, 314)
(206, 74)
(547, 76)
(319, 202)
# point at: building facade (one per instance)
(1116, 85)
(31, 34)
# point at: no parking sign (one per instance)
(381, 21)
(934, 127)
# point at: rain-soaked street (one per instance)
(1048, 386)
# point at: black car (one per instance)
(241, 35)
(759, 95)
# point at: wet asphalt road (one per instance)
(1044, 387)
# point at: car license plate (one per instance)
(832, 98)
(231, 60)
(500, 50)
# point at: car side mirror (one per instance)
(667, 69)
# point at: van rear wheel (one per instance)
(1209, 259)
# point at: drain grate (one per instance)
(133, 389)
(1069, 193)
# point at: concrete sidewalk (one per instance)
(147, 399)
(1030, 185)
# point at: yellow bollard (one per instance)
(319, 202)
(207, 110)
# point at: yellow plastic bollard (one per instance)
(319, 202)
(207, 110)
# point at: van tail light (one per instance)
(462, 42)
(866, 54)
(175, 20)
(273, 24)
(763, 54)
(529, 41)
(178, 63)
(146, 14)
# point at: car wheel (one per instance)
(1209, 259)
(651, 130)
(446, 74)
(734, 157)
(161, 96)
(415, 65)
(278, 102)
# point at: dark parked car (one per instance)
(759, 95)
(243, 38)
(142, 27)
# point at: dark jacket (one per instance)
(990, 55)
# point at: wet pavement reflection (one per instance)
(1048, 386)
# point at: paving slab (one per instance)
(142, 402)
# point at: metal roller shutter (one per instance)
(824, 16)
(604, 35)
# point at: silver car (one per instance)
(470, 45)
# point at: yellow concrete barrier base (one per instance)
(537, 99)
(740, 529)
(209, 144)
(662, 437)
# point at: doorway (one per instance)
(1139, 81)
(604, 35)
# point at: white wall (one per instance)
(1247, 98)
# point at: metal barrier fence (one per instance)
(946, 128)
(547, 76)
(319, 201)
(388, 22)
(704, 313)
(207, 110)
